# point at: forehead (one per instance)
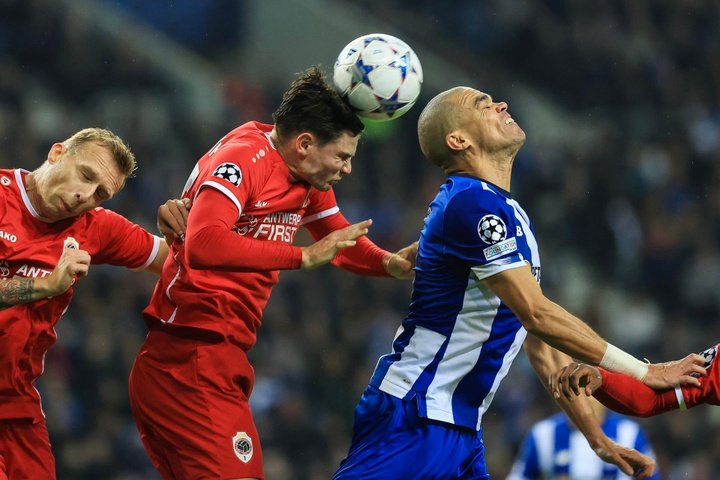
(100, 161)
(345, 143)
(469, 97)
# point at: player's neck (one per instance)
(32, 188)
(496, 172)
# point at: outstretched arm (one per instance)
(545, 360)
(366, 258)
(627, 395)
(211, 243)
(631, 397)
(518, 289)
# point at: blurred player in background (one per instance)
(626, 395)
(51, 230)
(191, 381)
(476, 295)
(554, 448)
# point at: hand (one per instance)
(73, 263)
(401, 263)
(630, 461)
(676, 373)
(172, 219)
(325, 249)
(574, 378)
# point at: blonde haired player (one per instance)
(51, 229)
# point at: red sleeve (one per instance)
(629, 396)
(365, 258)
(709, 390)
(123, 243)
(210, 242)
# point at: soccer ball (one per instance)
(379, 75)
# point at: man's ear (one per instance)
(55, 152)
(456, 141)
(303, 142)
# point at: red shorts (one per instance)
(190, 402)
(25, 452)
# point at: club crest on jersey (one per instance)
(242, 446)
(491, 229)
(229, 172)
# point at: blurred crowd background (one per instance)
(620, 101)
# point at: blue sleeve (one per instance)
(480, 230)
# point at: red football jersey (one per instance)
(30, 247)
(271, 205)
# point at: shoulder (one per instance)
(102, 217)
(245, 145)
(243, 154)
(475, 206)
(472, 195)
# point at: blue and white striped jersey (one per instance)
(459, 339)
(555, 450)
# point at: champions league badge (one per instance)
(491, 229)
(229, 172)
(242, 446)
(710, 354)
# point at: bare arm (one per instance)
(545, 360)
(518, 289)
(14, 291)
(72, 263)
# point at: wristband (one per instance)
(616, 360)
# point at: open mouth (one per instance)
(509, 120)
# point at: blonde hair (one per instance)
(122, 154)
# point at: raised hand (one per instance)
(172, 219)
(73, 263)
(676, 373)
(325, 249)
(401, 263)
(573, 379)
(640, 466)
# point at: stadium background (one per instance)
(620, 174)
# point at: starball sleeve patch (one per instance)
(491, 229)
(229, 172)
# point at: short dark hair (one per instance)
(310, 104)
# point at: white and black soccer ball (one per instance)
(379, 75)
(229, 172)
(492, 229)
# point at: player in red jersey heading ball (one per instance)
(252, 191)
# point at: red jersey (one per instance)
(627, 395)
(30, 247)
(262, 205)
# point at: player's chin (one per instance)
(325, 186)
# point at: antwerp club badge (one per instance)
(243, 447)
